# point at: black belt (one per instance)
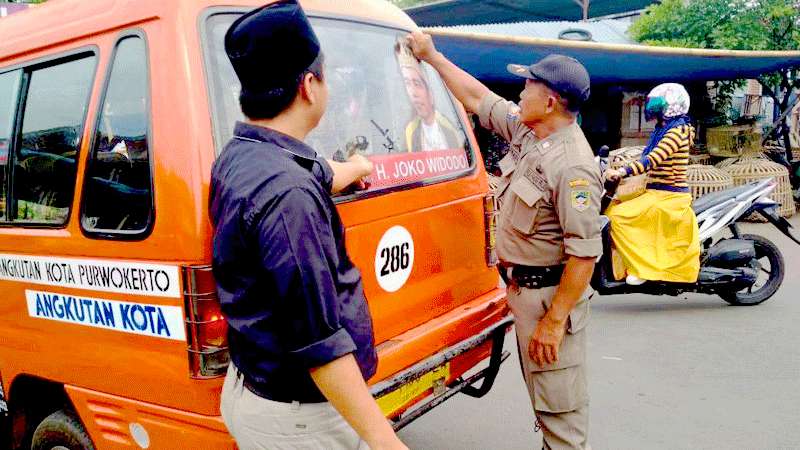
(263, 394)
(272, 396)
(532, 277)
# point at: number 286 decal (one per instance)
(394, 258)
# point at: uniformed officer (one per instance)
(300, 334)
(548, 233)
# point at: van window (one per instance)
(382, 103)
(9, 88)
(117, 185)
(45, 162)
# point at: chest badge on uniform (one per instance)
(580, 199)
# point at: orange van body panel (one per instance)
(107, 418)
(115, 378)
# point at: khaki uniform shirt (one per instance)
(549, 191)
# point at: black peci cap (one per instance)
(561, 73)
(271, 46)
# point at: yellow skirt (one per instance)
(656, 237)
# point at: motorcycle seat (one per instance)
(707, 201)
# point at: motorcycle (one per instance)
(743, 269)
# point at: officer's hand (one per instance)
(546, 339)
(422, 45)
(613, 174)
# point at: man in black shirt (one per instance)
(300, 333)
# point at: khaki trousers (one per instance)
(260, 424)
(558, 392)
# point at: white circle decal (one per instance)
(140, 435)
(394, 258)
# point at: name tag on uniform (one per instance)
(536, 178)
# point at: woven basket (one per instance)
(629, 187)
(700, 158)
(749, 169)
(782, 150)
(621, 157)
(725, 163)
(730, 141)
(704, 179)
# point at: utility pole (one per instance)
(584, 4)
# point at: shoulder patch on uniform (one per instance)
(578, 182)
(581, 199)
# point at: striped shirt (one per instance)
(666, 164)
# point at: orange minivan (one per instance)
(111, 114)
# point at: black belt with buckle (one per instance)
(532, 277)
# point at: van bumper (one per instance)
(492, 336)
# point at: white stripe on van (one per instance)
(137, 318)
(125, 277)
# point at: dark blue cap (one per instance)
(271, 46)
(560, 73)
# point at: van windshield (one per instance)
(382, 103)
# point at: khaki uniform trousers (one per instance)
(558, 392)
(260, 424)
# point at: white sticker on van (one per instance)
(137, 318)
(394, 258)
(123, 277)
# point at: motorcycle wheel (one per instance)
(766, 251)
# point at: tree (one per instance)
(735, 25)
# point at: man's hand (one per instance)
(350, 172)
(364, 167)
(546, 339)
(422, 45)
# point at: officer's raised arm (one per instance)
(467, 89)
(494, 112)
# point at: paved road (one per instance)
(665, 373)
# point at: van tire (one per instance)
(61, 430)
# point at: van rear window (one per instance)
(118, 195)
(382, 103)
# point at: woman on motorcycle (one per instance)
(656, 233)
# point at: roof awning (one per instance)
(459, 12)
(485, 56)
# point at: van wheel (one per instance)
(61, 431)
(772, 268)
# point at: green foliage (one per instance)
(721, 24)
(726, 24)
